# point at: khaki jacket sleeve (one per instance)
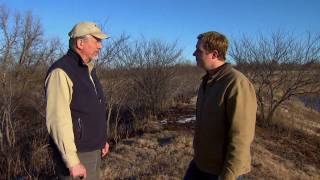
(58, 115)
(241, 115)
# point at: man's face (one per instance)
(90, 48)
(203, 58)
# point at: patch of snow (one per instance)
(164, 121)
(187, 120)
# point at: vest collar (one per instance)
(75, 56)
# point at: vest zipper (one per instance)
(94, 86)
(80, 128)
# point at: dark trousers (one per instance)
(194, 173)
(91, 161)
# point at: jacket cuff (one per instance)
(227, 174)
(71, 159)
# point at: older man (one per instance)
(225, 115)
(75, 111)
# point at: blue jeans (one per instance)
(194, 173)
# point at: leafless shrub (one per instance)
(143, 78)
(280, 66)
(150, 64)
(186, 82)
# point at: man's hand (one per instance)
(78, 171)
(105, 150)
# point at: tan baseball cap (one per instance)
(84, 28)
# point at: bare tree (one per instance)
(113, 50)
(137, 80)
(280, 66)
(24, 55)
(150, 64)
(116, 99)
(10, 35)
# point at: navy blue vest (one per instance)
(87, 104)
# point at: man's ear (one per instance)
(215, 54)
(79, 43)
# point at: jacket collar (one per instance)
(217, 74)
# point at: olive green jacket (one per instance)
(225, 123)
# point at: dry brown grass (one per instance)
(279, 152)
(165, 155)
(284, 155)
(162, 155)
(294, 115)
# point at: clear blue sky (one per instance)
(174, 20)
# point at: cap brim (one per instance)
(100, 35)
